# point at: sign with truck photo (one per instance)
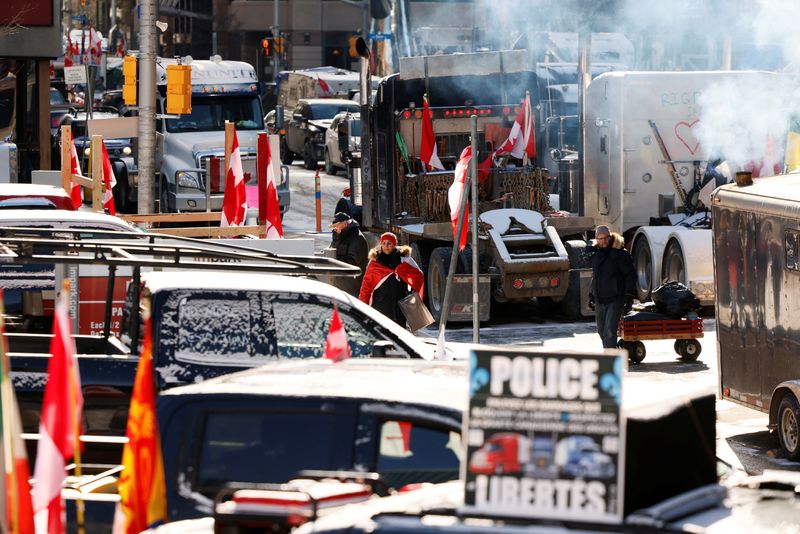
(545, 436)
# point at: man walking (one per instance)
(351, 247)
(613, 283)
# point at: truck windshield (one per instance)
(329, 111)
(209, 114)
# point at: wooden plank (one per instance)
(66, 158)
(217, 231)
(97, 173)
(83, 181)
(195, 216)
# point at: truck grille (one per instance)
(215, 172)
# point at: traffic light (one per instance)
(277, 45)
(129, 72)
(179, 89)
(351, 51)
(265, 46)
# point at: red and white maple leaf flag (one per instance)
(336, 346)
(427, 151)
(110, 181)
(59, 426)
(521, 140)
(75, 192)
(454, 195)
(273, 222)
(234, 203)
(326, 89)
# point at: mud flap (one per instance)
(461, 305)
(586, 285)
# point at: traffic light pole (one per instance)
(147, 104)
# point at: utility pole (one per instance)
(276, 34)
(147, 104)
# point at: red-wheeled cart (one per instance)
(685, 332)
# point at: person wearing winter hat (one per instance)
(613, 283)
(390, 274)
(351, 247)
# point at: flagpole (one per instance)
(6, 408)
(79, 507)
(525, 122)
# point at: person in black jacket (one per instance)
(351, 247)
(613, 283)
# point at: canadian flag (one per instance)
(336, 347)
(110, 181)
(234, 203)
(521, 139)
(427, 151)
(75, 193)
(326, 89)
(59, 426)
(273, 222)
(455, 192)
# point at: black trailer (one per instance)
(756, 233)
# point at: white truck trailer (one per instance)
(644, 164)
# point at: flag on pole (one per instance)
(110, 181)
(76, 192)
(454, 196)
(521, 140)
(273, 222)
(234, 203)
(323, 85)
(16, 508)
(141, 484)
(60, 425)
(427, 152)
(336, 346)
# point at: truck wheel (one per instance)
(309, 161)
(788, 427)
(636, 351)
(287, 156)
(437, 279)
(580, 255)
(571, 303)
(329, 168)
(419, 253)
(690, 350)
(643, 264)
(120, 192)
(672, 267)
(163, 199)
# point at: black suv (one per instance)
(305, 130)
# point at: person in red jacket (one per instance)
(389, 274)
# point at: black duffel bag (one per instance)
(675, 300)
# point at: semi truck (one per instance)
(645, 164)
(191, 147)
(757, 274)
(522, 253)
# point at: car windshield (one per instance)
(210, 113)
(329, 111)
(55, 98)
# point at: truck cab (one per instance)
(221, 91)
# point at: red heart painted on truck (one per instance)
(684, 133)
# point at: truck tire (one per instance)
(329, 168)
(438, 268)
(163, 199)
(643, 263)
(420, 255)
(788, 427)
(287, 156)
(580, 257)
(309, 161)
(672, 266)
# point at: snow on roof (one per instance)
(783, 188)
(166, 280)
(63, 218)
(212, 72)
(419, 382)
(32, 190)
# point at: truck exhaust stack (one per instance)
(744, 178)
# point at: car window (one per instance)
(261, 446)
(301, 327)
(328, 111)
(56, 98)
(411, 453)
(224, 328)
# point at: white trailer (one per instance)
(643, 161)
